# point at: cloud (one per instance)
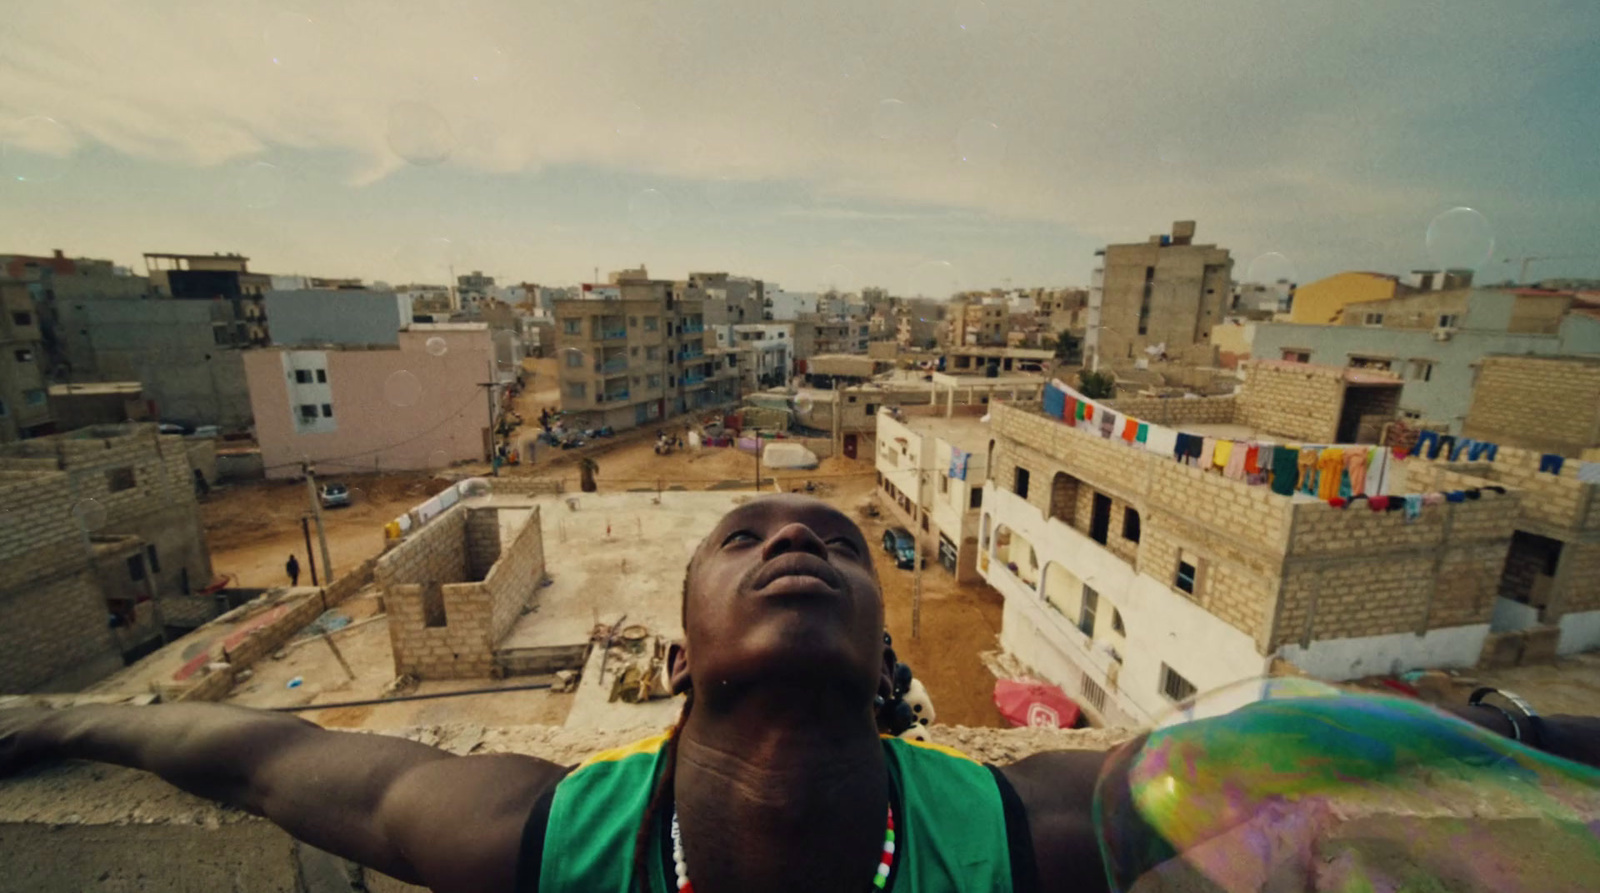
(1282, 127)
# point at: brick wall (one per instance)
(436, 563)
(482, 541)
(1580, 579)
(51, 628)
(1178, 411)
(1292, 400)
(1552, 501)
(1354, 573)
(1549, 404)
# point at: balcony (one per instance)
(693, 353)
(617, 334)
(690, 381)
(613, 397)
(693, 328)
(614, 364)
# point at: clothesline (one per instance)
(1338, 474)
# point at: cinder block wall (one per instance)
(1550, 404)
(53, 627)
(1177, 411)
(482, 541)
(1552, 500)
(1292, 400)
(514, 580)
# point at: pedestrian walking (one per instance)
(293, 567)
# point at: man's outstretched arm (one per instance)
(411, 811)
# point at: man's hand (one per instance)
(414, 812)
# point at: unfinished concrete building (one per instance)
(102, 552)
(455, 585)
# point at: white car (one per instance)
(335, 495)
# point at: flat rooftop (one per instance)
(968, 432)
(984, 382)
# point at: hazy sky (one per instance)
(923, 145)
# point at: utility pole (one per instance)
(316, 514)
(916, 569)
(758, 461)
(311, 558)
(488, 386)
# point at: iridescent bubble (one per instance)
(436, 346)
(438, 459)
(402, 388)
(1292, 784)
(627, 119)
(803, 404)
(418, 133)
(573, 358)
(1270, 268)
(891, 120)
(291, 40)
(649, 210)
(89, 513)
(37, 150)
(1460, 239)
(980, 143)
(260, 185)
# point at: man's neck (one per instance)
(780, 799)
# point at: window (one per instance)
(633, 351)
(852, 398)
(1188, 571)
(944, 483)
(1448, 320)
(975, 499)
(652, 353)
(24, 355)
(1130, 524)
(1091, 603)
(572, 327)
(322, 376)
(22, 318)
(1380, 364)
(651, 323)
(302, 376)
(1020, 485)
(655, 381)
(218, 335)
(433, 605)
(135, 569)
(1116, 623)
(577, 390)
(308, 412)
(35, 397)
(1093, 694)
(119, 479)
(1421, 370)
(1372, 319)
(4, 409)
(574, 359)
(1175, 687)
(155, 562)
(1294, 355)
(872, 409)
(327, 410)
(633, 322)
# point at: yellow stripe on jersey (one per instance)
(648, 745)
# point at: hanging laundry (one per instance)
(1433, 499)
(1222, 453)
(1195, 448)
(1460, 446)
(1330, 467)
(1142, 435)
(1589, 472)
(1378, 503)
(1252, 459)
(1055, 401)
(1473, 492)
(1551, 462)
(1208, 452)
(1088, 412)
(1285, 470)
(1234, 469)
(1378, 465)
(1427, 445)
(1108, 423)
(1455, 496)
(1396, 503)
(1264, 456)
(1180, 446)
(1069, 412)
(1130, 430)
(1413, 506)
(1355, 465)
(1308, 470)
(1447, 443)
(1083, 410)
(1161, 441)
(958, 463)
(1482, 451)
(1338, 502)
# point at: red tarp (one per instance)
(1024, 702)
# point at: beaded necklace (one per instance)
(878, 879)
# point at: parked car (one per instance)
(898, 542)
(335, 495)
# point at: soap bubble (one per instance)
(260, 185)
(475, 487)
(1270, 268)
(402, 388)
(980, 142)
(419, 133)
(89, 513)
(37, 150)
(436, 346)
(438, 459)
(649, 210)
(891, 120)
(573, 358)
(1460, 239)
(803, 404)
(1294, 784)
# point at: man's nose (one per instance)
(793, 537)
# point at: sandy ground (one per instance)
(253, 528)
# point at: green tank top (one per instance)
(950, 826)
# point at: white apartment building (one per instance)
(931, 472)
(767, 353)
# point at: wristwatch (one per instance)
(1522, 706)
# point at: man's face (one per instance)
(783, 590)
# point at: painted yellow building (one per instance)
(1323, 302)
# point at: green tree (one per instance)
(1097, 385)
(1069, 349)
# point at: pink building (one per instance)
(352, 409)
